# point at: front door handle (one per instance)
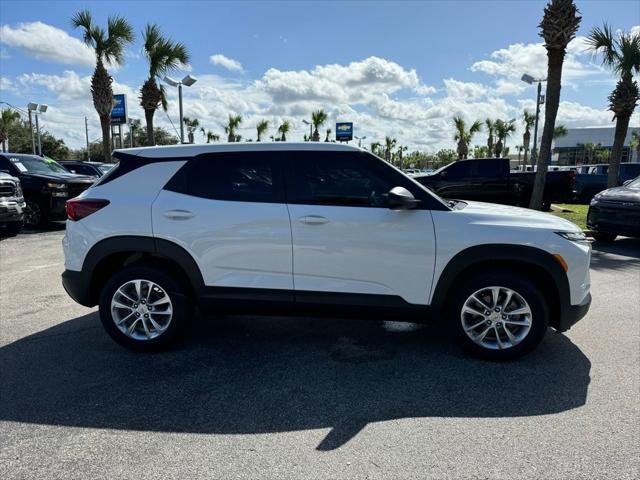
(178, 214)
(314, 219)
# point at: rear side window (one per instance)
(240, 177)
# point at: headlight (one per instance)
(57, 186)
(579, 237)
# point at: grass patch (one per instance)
(572, 212)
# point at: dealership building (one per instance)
(590, 145)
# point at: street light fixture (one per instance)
(307, 122)
(37, 109)
(359, 140)
(539, 101)
(187, 81)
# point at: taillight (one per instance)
(78, 208)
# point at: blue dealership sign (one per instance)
(119, 110)
(344, 131)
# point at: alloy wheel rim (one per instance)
(141, 309)
(496, 318)
(32, 214)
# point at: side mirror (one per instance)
(399, 198)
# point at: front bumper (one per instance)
(11, 212)
(571, 314)
(616, 219)
(77, 285)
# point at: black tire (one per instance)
(519, 284)
(603, 237)
(11, 229)
(34, 215)
(180, 303)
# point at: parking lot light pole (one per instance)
(359, 140)
(307, 122)
(37, 109)
(530, 80)
(187, 81)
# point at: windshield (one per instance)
(442, 168)
(32, 164)
(105, 168)
(634, 184)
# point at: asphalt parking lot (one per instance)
(308, 398)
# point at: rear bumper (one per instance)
(571, 314)
(78, 286)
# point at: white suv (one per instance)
(313, 228)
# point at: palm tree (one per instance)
(283, 130)
(558, 27)
(163, 56)
(481, 151)
(491, 127)
(192, 125)
(529, 120)
(519, 149)
(375, 148)
(503, 130)
(108, 47)
(560, 131)
(327, 139)
(7, 119)
(232, 126)
(463, 136)
(389, 144)
(317, 119)
(261, 128)
(621, 53)
(211, 137)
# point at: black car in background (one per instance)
(490, 180)
(92, 169)
(11, 205)
(46, 186)
(615, 211)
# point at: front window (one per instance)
(634, 184)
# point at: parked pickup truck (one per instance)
(489, 180)
(595, 180)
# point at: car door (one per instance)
(228, 211)
(346, 240)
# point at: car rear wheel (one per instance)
(498, 315)
(603, 237)
(144, 309)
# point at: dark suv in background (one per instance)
(93, 169)
(45, 184)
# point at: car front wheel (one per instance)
(144, 309)
(498, 316)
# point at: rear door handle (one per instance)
(313, 219)
(178, 214)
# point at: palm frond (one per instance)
(602, 40)
(82, 19)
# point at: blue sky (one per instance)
(398, 68)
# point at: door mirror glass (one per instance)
(399, 198)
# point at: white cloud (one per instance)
(7, 85)
(531, 58)
(466, 90)
(226, 62)
(46, 42)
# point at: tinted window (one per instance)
(6, 165)
(242, 177)
(459, 170)
(339, 178)
(631, 171)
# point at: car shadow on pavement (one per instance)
(241, 375)
(607, 256)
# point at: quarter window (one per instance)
(245, 177)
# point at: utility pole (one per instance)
(38, 130)
(86, 132)
(33, 140)
(181, 117)
(534, 150)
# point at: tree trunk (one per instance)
(526, 139)
(148, 115)
(554, 84)
(498, 148)
(105, 123)
(622, 125)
